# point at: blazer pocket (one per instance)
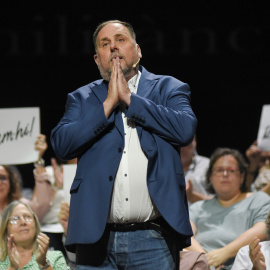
(75, 185)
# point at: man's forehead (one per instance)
(113, 29)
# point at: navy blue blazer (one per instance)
(164, 121)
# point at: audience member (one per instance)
(258, 177)
(10, 189)
(256, 255)
(26, 192)
(63, 217)
(194, 167)
(227, 222)
(21, 243)
(48, 195)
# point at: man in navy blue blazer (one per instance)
(128, 207)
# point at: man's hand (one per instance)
(124, 92)
(112, 100)
(118, 91)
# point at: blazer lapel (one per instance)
(101, 91)
(145, 87)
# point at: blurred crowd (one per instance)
(229, 206)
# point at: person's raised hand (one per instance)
(13, 254)
(58, 173)
(255, 254)
(112, 100)
(124, 92)
(41, 145)
(253, 154)
(43, 245)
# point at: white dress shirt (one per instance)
(131, 201)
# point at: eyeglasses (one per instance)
(229, 171)
(15, 219)
(3, 179)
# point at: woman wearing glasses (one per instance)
(10, 189)
(225, 223)
(21, 243)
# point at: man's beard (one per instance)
(106, 73)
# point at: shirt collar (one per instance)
(134, 81)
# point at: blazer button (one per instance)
(119, 149)
(110, 178)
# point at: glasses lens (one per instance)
(3, 177)
(28, 218)
(16, 219)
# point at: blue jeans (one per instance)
(136, 250)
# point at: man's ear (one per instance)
(139, 50)
(96, 58)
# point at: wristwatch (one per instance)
(47, 264)
(39, 163)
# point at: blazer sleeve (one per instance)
(170, 116)
(83, 123)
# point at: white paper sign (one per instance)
(19, 128)
(69, 171)
(264, 129)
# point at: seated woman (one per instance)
(256, 255)
(21, 243)
(227, 222)
(10, 189)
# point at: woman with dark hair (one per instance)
(227, 222)
(10, 189)
(22, 244)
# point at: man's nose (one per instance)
(114, 47)
(225, 172)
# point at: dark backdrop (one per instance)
(221, 52)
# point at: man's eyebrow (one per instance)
(104, 39)
(115, 36)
